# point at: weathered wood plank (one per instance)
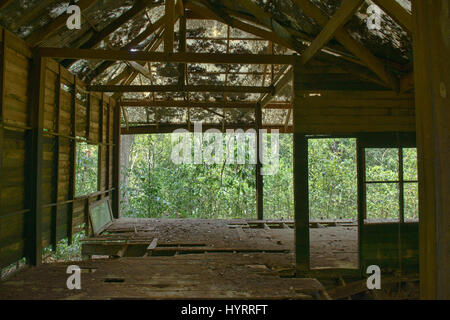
(432, 87)
(36, 143)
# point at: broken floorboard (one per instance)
(203, 276)
(333, 243)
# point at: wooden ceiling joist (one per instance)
(177, 88)
(339, 19)
(201, 104)
(354, 46)
(132, 44)
(152, 46)
(97, 37)
(224, 16)
(170, 128)
(188, 57)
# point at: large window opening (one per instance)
(391, 185)
(153, 186)
(333, 204)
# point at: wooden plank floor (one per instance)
(192, 259)
(333, 244)
(203, 276)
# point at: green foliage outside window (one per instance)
(86, 169)
(332, 179)
(155, 187)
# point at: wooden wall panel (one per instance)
(61, 211)
(339, 112)
(432, 85)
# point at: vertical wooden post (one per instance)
(432, 88)
(108, 148)
(72, 160)
(101, 126)
(181, 49)
(301, 202)
(88, 116)
(301, 187)
(2, 101)
(170, 24)
(361, 187)
(55, 183)
(259, 176)
(116, 170)
(38, 76)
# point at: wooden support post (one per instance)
(88, 116)
(431, 23)
(38, 76)
(108, 148)
(301, 188)
(259, 176)
(101, 125)
(401, 201)
(116, 170)
(361, 176)
(301, 202)
(182, 49)
(170, 24)
(54, 219)
(2, 101)
(72, 160)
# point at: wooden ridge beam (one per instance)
(339, 19)
(354, 46)
(188, 57)
(177, 88)
(397, 12)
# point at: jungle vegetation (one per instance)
(154, 187)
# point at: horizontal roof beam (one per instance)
(177, 88)
(171, 127)
(200, 104)
(188, 104)
(188, 57)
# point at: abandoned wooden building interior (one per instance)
(375, 71)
